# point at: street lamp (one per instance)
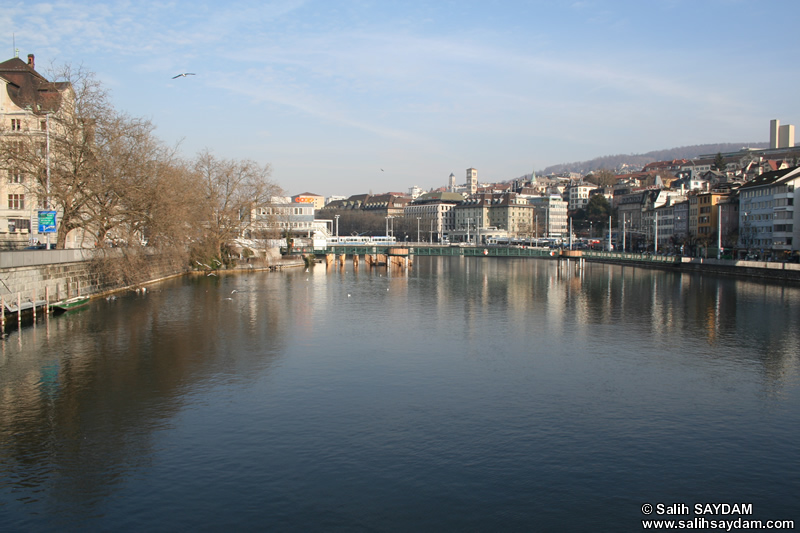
(655, 233)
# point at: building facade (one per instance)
(550, 217)
(435, 213)
(767, 225)
(27, 102)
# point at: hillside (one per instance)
(637, 161)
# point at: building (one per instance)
(767, 224)
(386, 204)
(27, 101)
(578, 195)
(680, 222)
(435, 213)
(512, 213)
(414, 192)
(469, 215)
(780, 136)
(550, 217)
(472, 181)
(282, 216)
(708, 219)
(317, 201)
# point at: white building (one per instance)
(767, 222)
(578, 195)
(550, 217)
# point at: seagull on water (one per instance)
(184, 75)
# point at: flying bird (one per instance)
(184, 75)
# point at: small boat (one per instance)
(69, 304)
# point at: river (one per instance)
(469, 394)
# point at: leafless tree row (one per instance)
(111, 179)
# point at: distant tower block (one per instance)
(472, 180)
(452, 183)
(786, 136)
(774, 132)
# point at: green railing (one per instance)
(625, 256)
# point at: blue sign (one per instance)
(47, 221)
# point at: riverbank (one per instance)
(54, 275)
(725, 267)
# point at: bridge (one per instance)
(401, 255)
(398, 250)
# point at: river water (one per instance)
(470, 394)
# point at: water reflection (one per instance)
(500, 376)
(80, 402)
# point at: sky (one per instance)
(352, 97)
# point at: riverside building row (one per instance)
(741, 201)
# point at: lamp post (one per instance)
(655, 233)
(624, 228)
(337, 226)
(719, 231)
(47, 162)
(746, 234)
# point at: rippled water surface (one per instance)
(470, 394)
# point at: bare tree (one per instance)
(230, 190)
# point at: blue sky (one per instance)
(331, 92)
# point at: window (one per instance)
(43, 125)
(16, 201)
(19, 224)
(16, 124)
(15, 176)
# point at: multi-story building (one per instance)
(512, 213)
(680, 222)
(472, 181)
(282, 216)
(471, 214)
(435, 213)
(708, 221)
(767, 225)
(578, 195)
(665, 227)
(388, 204)
(550, 217)
(316, 201)
(27, 100)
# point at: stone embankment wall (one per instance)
(66, 273)
(62, 274)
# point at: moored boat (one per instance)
(69, 304)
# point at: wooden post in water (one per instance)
(3, 316)
(46, 300)
(19, 311)
(33, 309)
